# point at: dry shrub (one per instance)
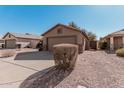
(120, 52)
(65, 55)
(7, 53)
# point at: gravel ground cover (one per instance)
(96, 69)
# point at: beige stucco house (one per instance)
(65, 34)
(14, 40)
(2, 42)
(115, 40)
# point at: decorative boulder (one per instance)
(65, 55)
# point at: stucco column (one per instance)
(84, 44)
(123, 40)
(111, 43)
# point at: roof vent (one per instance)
(27, 34)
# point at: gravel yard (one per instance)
(96, 69)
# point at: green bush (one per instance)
(103, 45)
(120, 52)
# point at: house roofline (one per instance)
(7, 34)
(112, 34)
(66, 27)
(20, 37)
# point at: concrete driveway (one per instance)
(14, 70)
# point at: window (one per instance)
(60, 31)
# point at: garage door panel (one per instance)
(58, 40)
(10, 43)
(118, 42)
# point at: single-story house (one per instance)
(14, 40)
(115, 40)
(2, 42)
(65, 34)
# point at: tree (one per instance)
(84, 31)
(91, 36)
(72, 24)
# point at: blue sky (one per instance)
(101, 20)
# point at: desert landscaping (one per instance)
(63, 57)
(96, 69)
(93, 69)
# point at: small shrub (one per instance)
(103, 45)
(39, 46)
(120, 52)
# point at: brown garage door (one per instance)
(93, 45)
(10, 43)
(58, 40)
(118, 42)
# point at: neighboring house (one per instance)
(65, 34)
(115, 40)
(2, 42)
(14, 40)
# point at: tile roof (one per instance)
(26, 35)
(118, 32)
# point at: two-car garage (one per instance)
(64, 34)
(62, 39)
